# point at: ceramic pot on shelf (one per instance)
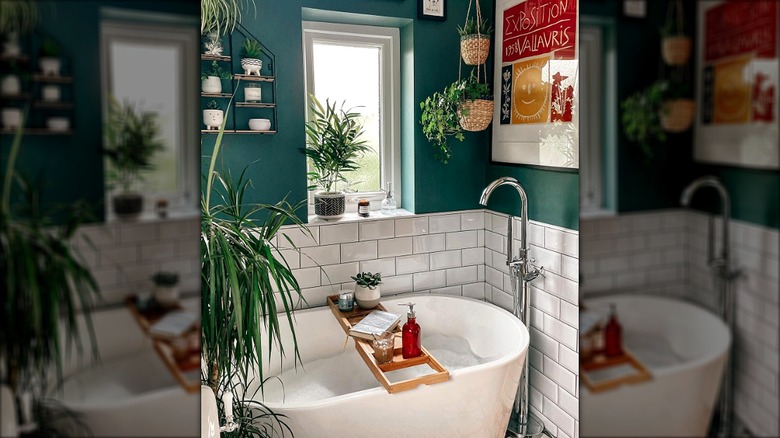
(11, 117)
(367, 298)
(251, 66)
(212, 84)
(50, 66)
(213, 118)
(11, 85)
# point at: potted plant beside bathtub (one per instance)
(166, 288)
(367, 290)
(334, 143)
(244, 281)
(47, 293)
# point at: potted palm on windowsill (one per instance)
(130, 142)
(334, 143)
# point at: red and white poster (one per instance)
(738, 83)
(536, 77)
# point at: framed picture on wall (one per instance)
(737, 84)
(536, 115)
(432, 9)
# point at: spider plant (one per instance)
(243, 279)
(221, 16)
(18, 16)
(43, 287)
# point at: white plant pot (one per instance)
(50, 66)
(50, 93)
(367, 298)
(12, 118)
(58, 124)
(213, 118)
(166, 296)
(251, 66)
(8, 426)
(253, 94)
(11, 45)
(212, 84)
(11, 85)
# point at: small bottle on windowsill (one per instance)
(363, 207)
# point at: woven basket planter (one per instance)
(475, 115)
(474, 48)
(676, 50)
(677, 115)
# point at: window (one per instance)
(597, 118)
(360, 65)
(153, 66)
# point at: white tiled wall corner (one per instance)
(124, 255)
(554, 371)
(667, 254)
(462, 253)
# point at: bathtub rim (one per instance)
(495, 363)
(701, 361)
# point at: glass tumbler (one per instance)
(384, 345)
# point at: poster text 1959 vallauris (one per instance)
(536, 27)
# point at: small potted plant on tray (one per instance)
(166, 288)
(367, 291)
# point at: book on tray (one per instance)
(375, 323)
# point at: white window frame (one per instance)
(124, 27)
(388, 40)
(598, 130)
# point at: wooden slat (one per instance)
(600, 362)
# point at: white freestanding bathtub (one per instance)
(335, 395)
(685, 348)
(133, 396)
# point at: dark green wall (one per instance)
(71, 166)
(642, 186)
(278, 166)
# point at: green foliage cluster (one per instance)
(440, 119)
(251, 49)
(367, 279)
(215, 70)
(221, 16)
(44, 286)
(164, 278)
(50, 48)
(18, 16)
(334, 142)
(212, 105)
(641, 113)
(470, 27)
(131, 139)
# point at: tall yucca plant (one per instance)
(243, 279)
(43, 285)
(221, 16)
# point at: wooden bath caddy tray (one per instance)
(626, 369)
(178, 368)
(348, 319)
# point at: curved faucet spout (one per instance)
(483, 200)
(685, 200)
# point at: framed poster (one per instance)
(737, 90)
(535, 119)
(432, 9)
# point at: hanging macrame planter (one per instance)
(677, 115)
(675, 47)
(474, 39)
(475, 112)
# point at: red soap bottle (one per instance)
(410, 334)
(613, 343)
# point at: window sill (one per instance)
(150, 217)
(375, 215)
(596, 213)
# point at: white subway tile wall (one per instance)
(667, 255)
(124, 256)
(461, 253)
